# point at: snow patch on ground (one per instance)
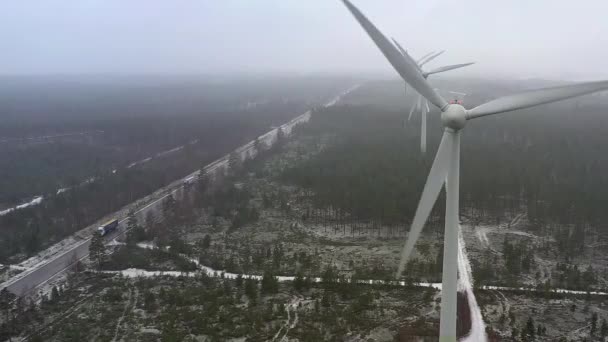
(19, 268)
(146, 245)
(139, 273)
(115, 243)
(482, 236)
(527, 289)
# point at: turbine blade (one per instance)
(424, 57)
(534, 98)
(446, 68)
(411, 112)
(434, 182)
(405, 66)
(449, 287)
(430, 58)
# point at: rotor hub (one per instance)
(454, 117)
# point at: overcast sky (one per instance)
(555, 39)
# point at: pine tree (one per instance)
(97, 250)
(298, 282)
(135, 233)
(203, 184)
(251, 289)
(326, 299)
(277, 255)
(280, 136)
(529, 330)
(170, 209)
(206, 241)
(257, 144)
(593, 323)
(5, 301)
(131, 220)
(270, 283)
(54, 294)
(234, 162)
(604, 329)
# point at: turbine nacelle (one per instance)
(454, 117)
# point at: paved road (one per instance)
(28, 282)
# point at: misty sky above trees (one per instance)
(514, 39)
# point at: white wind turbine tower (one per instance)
(422, 104)
(446, 166)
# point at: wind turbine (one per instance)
(421, 103)
(426, 58)
(446, 166)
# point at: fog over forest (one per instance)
(508, 39)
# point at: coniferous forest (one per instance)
(123, 120)
(549, 161)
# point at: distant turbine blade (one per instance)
(446, 68)
(411, 112)
(404, 52)
(426, 103)
(434, 182)
(406, 67)
(534, 98)
(423, 127)
(401, 49)
(424, 57)
(430, 58)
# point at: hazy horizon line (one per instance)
(362, 76)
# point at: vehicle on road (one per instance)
(188, 181)
(108, 227)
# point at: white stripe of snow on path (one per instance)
(35, 201)
(478, 327)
